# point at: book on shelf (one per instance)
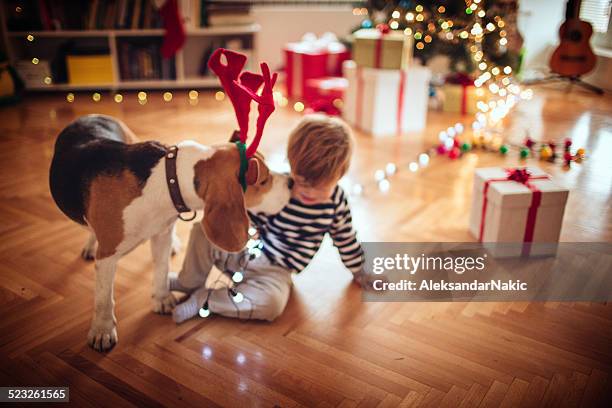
(140, 59)
(53, 15)
(210, 13)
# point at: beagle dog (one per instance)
(126, 192)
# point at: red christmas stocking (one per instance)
(173, 24)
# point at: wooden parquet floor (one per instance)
(328, 348)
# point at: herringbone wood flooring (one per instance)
(328, 348)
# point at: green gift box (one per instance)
(374, 48)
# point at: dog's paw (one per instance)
(176, 245)
(102, 336)
(163, 304)
(88, 253)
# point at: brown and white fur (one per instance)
(117, 188)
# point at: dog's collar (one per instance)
(244, 165)
(173, 184)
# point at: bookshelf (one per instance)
(185, 67)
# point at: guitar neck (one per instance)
(572, 9)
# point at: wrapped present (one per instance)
(312, 58)
(327, 88)
(382, 48)
(460, 94)
(385, 101)
(516, 205)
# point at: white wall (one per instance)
(283, 24)
(539, 22)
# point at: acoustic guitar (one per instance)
(574, 56)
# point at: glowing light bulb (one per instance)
(413, 167)
(409, 16)
(35, 61)
(394, 25)
(507, 70)
(193, 94)
(96, 97)
(423, 159)
(237, 277)
(442, 136)
(379, 175)
(449, 143)
(383, 185)
(204, 311)
(142, 96)
(503, 41)
(459, 128)
(298, 106)
(30, 37)
(419, 8)
(70, 97)
(357, 189)
(238, 297)
(167, 96)
(395, 14)
(390, 169)
(118, 98)
(490, 26)
(252, 231)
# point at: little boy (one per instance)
(319, 153)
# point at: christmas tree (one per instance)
(476, 35)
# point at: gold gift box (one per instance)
(396, 49)
(453, 94)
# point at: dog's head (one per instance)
(225, 219)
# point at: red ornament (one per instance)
(567, 157)
(456, 143)
(454, 153)
(529, 142)
(441, 149)
(568, 144)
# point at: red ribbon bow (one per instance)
(383, 28)
(519, 175)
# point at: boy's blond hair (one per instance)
(320, 149)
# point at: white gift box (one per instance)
(504, 210)
(386, 101)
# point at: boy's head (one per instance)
(319, 153)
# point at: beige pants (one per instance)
(266, 286)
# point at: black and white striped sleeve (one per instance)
(344, 236)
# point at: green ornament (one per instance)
(524, 152)
(503, 149)
(468, 11)
(465, 147)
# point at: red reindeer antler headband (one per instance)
(242, 87)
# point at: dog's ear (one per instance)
(257, 171)
(235, 136)
(225, 221)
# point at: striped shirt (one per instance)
(293, 236)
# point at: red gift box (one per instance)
(322, 94)
(327, 88)
(311, 59)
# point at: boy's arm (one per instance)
(345, 237)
